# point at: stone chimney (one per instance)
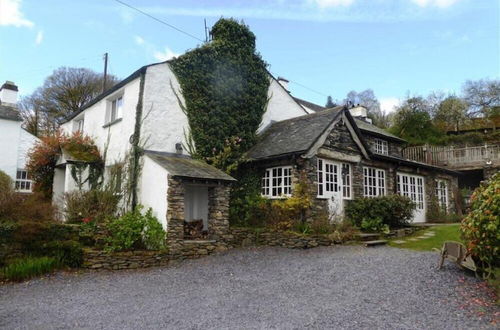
(8, 93)
(284, 82)
(360, 112)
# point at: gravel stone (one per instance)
(347, 287)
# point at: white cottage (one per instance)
(176, 187)
(15, 142)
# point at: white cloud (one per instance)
(388, 104)
(166, 55)
(126, 16)
(332, 3)
(435, 3)
(139, 40)
(10, 14)
(39, 38)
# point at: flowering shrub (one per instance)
(43, 157)
(90, 206)
(481, 227)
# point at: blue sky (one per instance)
(329, 46)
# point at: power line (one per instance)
(159, 20)
(308, 88)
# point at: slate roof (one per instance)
(295, 135)
(309, 105)
(10, 113)
(412, 163)
(185, 166)
(370, 128)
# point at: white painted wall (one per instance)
(26, 142)
(153, 187)
(164, 123)
(10, 131)
(281, 105)
(196, 204)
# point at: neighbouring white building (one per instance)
(151, 96)
(15, 142)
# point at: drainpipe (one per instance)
(135, 140)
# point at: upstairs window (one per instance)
(116, 108)
(381, 147)
(442, 194)
(78, 125)
(23, 181)
(277, 182)
(373, 182)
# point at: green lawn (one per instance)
(442, 233)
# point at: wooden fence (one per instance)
(453, 157)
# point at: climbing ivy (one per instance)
(224, 83)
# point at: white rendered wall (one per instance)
(58, 187)
(164, 123)
(115, 137)
(10, 131)
(196, 204)
(153, 187)
(281, 105)
(26, 142)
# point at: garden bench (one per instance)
(458, 253)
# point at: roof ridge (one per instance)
(314, 114)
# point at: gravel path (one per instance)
(335, 287)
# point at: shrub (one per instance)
(436, 214)
(26, 268)
(481, 227)
(134, 230)
(374, 225)
(90, 206)
(68, 253)
(22, 207)
(394, 210)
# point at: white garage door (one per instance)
(412, 186)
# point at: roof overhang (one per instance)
(411, 163)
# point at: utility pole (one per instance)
(105, 72)
(206, 34)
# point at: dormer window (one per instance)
(381, 147)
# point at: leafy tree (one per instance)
(330, 103)
(413, 123)
(482, 96)
(62, 93)
(451, 112)
(368, 99)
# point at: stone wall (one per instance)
(99, 259)
(249, 236)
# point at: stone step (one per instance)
(375, 243)
(368, 236)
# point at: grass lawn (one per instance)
(442, 233)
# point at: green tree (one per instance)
(451, 113)
(329, 102)
(62, 93)
(413, 123)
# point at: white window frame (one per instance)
(346, 181)
(115, 108)
(23, 181)
(413, 187)
(442, 194)
(277, 182)
(79, 124)
(374, 182)
(381, 147)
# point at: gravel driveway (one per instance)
(331, 287)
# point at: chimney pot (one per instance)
(284, 82)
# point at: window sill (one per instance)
(112, 122)
(277, 197)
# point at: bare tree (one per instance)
(62, 93)
(482, 96)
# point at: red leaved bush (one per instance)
(43, 157)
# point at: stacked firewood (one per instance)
(194, 229)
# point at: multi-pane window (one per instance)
(116, 108)
(373, 182)
(442, 194)
(78, 126)
(277, 182)
(412, 187)
(380, 147)
(23, 181)
(346, 181)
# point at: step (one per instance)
(368, 236)
(375, 243)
